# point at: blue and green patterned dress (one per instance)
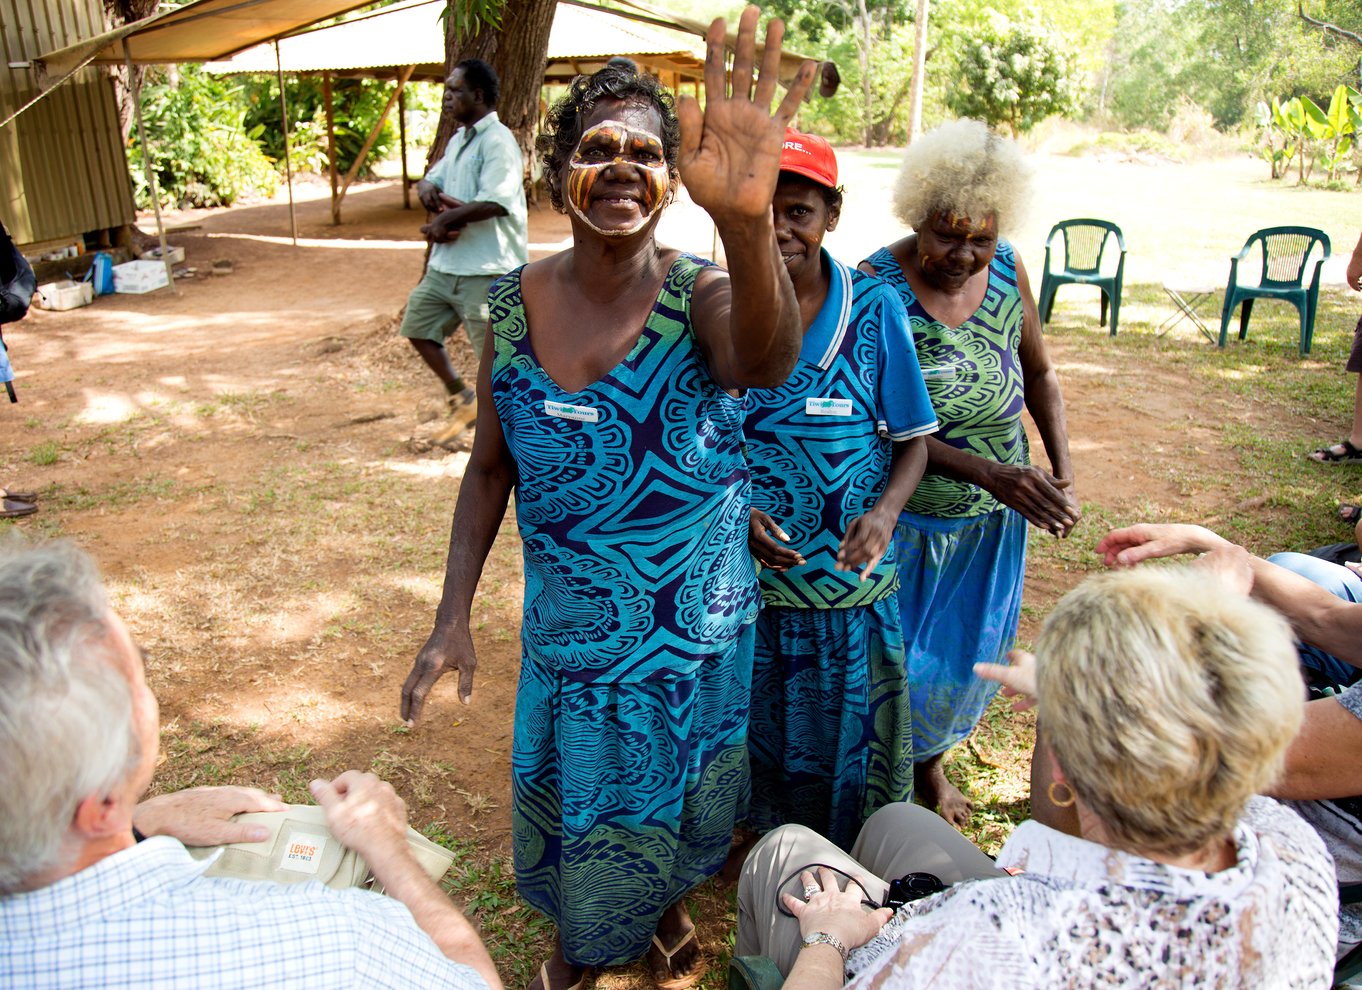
(962, 554)
(831, 735)
(629, 758)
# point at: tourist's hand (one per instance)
(838, 912)
(1017, 676)
(1037, 495)
(450, 647)
(762, 533)
(202, 816)
(1354, 275)
(730, 151)
(1232, 564)
(365, 814)
(866, 542)
(1128, 547)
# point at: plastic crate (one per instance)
(65, 294)
(139, 276)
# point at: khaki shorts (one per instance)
(440, 302)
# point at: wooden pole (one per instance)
(288, 151)
(402, 78)
(331, 147)
(146, 166)
(919, 70)
(402, 141)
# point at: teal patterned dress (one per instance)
(962, 554)
(629, 754)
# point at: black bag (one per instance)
(17, 283)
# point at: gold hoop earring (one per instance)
(1068, 802)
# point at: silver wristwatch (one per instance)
(823, 938)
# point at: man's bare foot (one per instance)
(559, 974)
(674, 958)
(737, 855)
(938, 793)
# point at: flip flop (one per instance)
(1349, 513)
(685, 980)
(12, 508)
(544, 979)
(1342, 452)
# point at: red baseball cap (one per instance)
(810, 156)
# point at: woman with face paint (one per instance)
(609, 403)
(834, 453)
(961, 538)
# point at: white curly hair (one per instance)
(965, 168)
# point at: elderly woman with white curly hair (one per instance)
(1168, 703)
(961, 539)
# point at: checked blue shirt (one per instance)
(146, 917)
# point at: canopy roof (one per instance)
(197, 32)
(211, 30)
(378, 43)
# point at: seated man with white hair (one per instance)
(84, 904)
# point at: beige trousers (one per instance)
(898, 839)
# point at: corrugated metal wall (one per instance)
(62, 165)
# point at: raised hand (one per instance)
(1148, 541)
(449, 647)
(730, 151)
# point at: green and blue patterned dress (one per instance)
(962, 554)
(831, 735)
(629, 757)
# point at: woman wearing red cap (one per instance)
(834, 454)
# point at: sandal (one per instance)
(12, 508)
(19, 496)
(544, 979)
(1349, 513)
(685, 980)
(1342, 452)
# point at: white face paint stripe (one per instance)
(658, 174)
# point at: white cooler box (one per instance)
(139, 276)
(65, 294)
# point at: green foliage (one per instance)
(844, 117)
(356, 106)
(1300, 128)
(1014, 74)
(203, 152)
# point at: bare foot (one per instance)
(558, 974)
(737, 856)
(674, 958)
(939, 794)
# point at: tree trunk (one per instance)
(122, 12)
(517, 52)
(863, 54)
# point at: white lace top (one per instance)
(1084, 915)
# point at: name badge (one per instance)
(827, 407)
(941, 373)
(564, 410)
(303, 854)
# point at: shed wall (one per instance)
(63, 170)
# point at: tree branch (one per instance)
(1326, 27)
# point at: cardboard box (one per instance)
(139, 276)
(176, 254)
(65, 294)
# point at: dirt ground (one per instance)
(245, 457)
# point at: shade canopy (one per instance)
(377, 44)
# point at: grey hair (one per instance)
(1168, 700)
(965, 168)
(66, 723)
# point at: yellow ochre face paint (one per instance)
(613, 142)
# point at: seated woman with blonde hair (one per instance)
(1167, 703)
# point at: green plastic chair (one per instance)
(1085, 240)
(1286, 253)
